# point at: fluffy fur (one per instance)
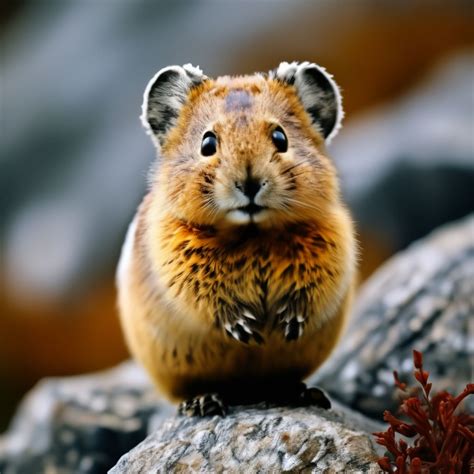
(211, 296)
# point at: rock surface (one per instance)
(84, 424)
(80, 424)
(423, 298)
(256, 440)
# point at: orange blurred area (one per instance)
(69, 338)
(376, 54)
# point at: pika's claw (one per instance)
(298, 394)
(209, 404)
(294, 328)
(240, 331)
(290, 314)
(239, 323)
(291, 323)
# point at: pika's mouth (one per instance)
(251, 209)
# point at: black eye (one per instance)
(208, 144)
(279, 140)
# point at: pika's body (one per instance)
(239, 266)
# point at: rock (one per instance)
(401, 189)
(80, 424)
(256, 440)
(420, 299)
(84, 424)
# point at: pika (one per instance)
(237, 271)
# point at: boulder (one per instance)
(421, 299)
(255, 439)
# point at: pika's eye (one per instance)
(208, 144)
(279, 140)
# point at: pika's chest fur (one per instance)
(215, 277)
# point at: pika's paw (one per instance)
(298, 394)
(292, 320)
(209, 404)
(240, 323)
(314, 396)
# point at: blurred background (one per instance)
(74, 158)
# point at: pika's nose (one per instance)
(251, 187)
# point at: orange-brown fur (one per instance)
(188, 260)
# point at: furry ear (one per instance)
(318, 93)
(164, 96)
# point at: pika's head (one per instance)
(244, 150)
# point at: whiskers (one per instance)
(290, 205)
(291, 168)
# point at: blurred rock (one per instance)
(423, 299)
(252, 440)
(407, 167)
(80, 424)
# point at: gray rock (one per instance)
(256, 440)
(400, 189)
(84, 424)
(421, 299)
(80, 424)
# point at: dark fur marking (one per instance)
(155, 125)
(189, 358)
(288, 270)
(174, 353)
(167, 117)
(298, 246)
(243, 336)
(265, 253)
(195, 267)
(238, 264)
(293, 330)
(199, 251)
(181, 246)
(207, 178)
(188, 252)
(326, 123)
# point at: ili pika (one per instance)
(238, 269)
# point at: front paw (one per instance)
(240, 323)
(209, 404)
(292, 320)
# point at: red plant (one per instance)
(442, 440)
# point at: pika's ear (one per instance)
(318, 93)
(164, 96)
